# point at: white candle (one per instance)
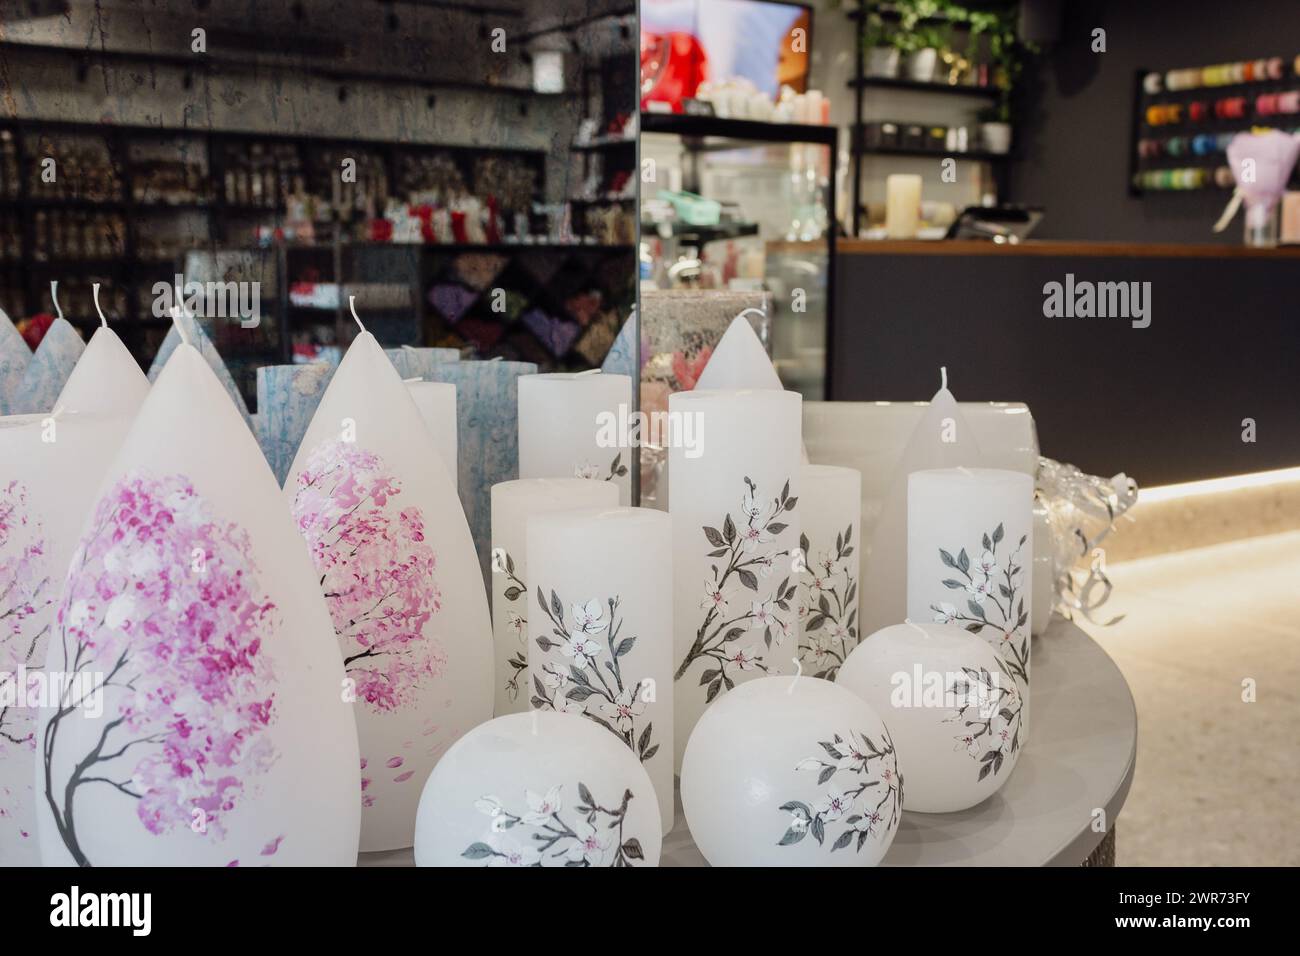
(740, 360)
(600, 635)
(734, 474)
(970, 552)
(568, 427)
(437, 404)
(513, 502)
(106, 379)
(830, 519)
(902, 205)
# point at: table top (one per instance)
(1079, 760)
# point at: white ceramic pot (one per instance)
(921, 65)
(791, 771)
(882, 61)
(996, 137)
(952, 706)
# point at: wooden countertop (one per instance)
(1064, 249)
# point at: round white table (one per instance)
(1058, 806)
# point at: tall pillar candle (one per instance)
(437, 404)
(733, 473)
(600, 637)
(513, 502)
(287, 397)
(569, 426)
(970, 554)
(412, 362)
(902, 205)
(830, 519)
(15, 356)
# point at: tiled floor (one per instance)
(1217, 778)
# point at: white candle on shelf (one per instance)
(569, 426)
(513, 502)
(902, 205)
(970, 552)
(734, 473)
(600, 636)
(830, 518)
(437, 404)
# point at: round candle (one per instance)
(830, 517)
(437, 404)
(600, 638)
(572, 425)
(970, 551)
(513, 502)
(733, 473)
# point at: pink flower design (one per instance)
(376, 570)
(163, 601)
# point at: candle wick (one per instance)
(943, 376)
(411, 347)
(352, 305)
(916, 627)
(586, 372)
(54, 294)
(95, 292)
(180, 326)
(797, 674)
(408, 381)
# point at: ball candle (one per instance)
(568, 427)
(513, 502)
(600, 635)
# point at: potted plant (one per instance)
(920, 37)
(881, 48)
(995, 125)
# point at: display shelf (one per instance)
(920, 86)
(682, 230)
(714, 127)
(1080, 757)
(976, 154)
(605, 143)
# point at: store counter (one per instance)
(1169, 362)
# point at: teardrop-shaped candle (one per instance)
(15, 356)
(201, 720)
(195, 335)
(51, 473)
(106, 378)
(942, 439)
(739, 360)
(396, 563)
(49, 369)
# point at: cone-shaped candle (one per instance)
(739, 360)
(195, 335)
(106, 378)
(53, 465)
(217, 734)
(396, 563)
(942, 439)
(49, 369)
(15, 356)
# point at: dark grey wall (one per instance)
(1075, 135)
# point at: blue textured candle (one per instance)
(48, 370)
(287, 396)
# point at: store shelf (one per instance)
(682, 230)
(605, 143)
(949, 89)
(975, 154)
(678, 124)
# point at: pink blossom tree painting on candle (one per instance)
(162, 612)
(377, 573)
(25, 596)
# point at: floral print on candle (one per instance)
(993, 592)
(828, 605)
(740, 626)
(863, 798)
(591, 649)
(547, 833)
(516, 623)
(163, 608)
(595, 473)
(989, 711)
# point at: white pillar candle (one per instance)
(52, 469)
(600, 638)
(902, 205)
(513, 502)
(569, 427)
(734, 473)
(437, 404)
(831, 525)
(970, 552)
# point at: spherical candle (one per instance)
(513, 503)
(791, 771)
(600, 631)
(572, 425)
(396, 565)
(192, 606)
(953, 706)
(52, 469)
(437, 404)
(831, 523)
(538, 789)
(734, 473)
(970, 553)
